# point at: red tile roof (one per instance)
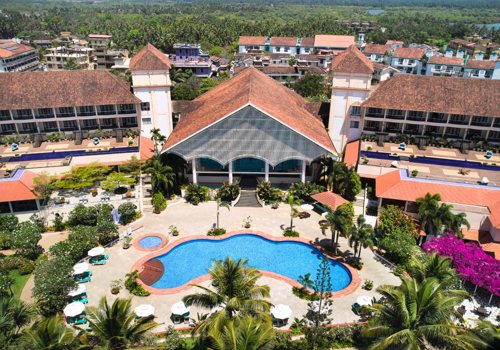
(255, 88)
(285, 70)
(17, 190)
(409, 53)
(390, 42)
(376, 49)
(352, 61)
(329, 198)
(480, 64)
(4, 53)
(147, 148)
(283, 41)
(331, 41)
(149, 58)
(307, 42)
(99, 36)
(63, 89)
(391, 186)
(438, 94)
(351, 153)
(450, 61)
(252, 40)
(484, 239)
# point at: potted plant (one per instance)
(368, 284)
(195, 200)
(127, 242)
(159, 202)
(414, 172)
(247, 222)
(173, 230)
(115, 286)
(275, 205)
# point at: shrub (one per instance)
(305, 191)
(291, 233)
(133, 286)
(485, 163)
(369, 148)
(127, 211)
(4, 240)
(24, 239)
(58, 222)
(196, 191)
(25, 266)
(357, 264)
(229, 191)
(304, 294)
(216, 232)
(8, 222)
(412, 156)
(267, 193)
(159, 202)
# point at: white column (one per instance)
(10, 206)
(406, 206)
(195, 180)
(231, 172)
(266, 176)
(420, 241)
(303, 177)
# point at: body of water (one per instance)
(291, 259)
(374, 12)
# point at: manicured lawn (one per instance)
(20, 281)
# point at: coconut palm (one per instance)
(235, 291)
(293, 202)
(51, 334)
(444, 217)
(114, 324)
(428, 207)
(247, 334)
(459, 220)
(15, 315)
(338, 220)
(161, 176)
(71, 64)
(336, 176)
(176, 75)
(419, 316)
(359, 237)
(433, 267)
(220, 203)
(488, 333)
(157, 138)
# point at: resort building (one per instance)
(107, 59)
(479, 68)
(395, 44)
(376, 53)
(407, 60)
(382, 72)
(447, 65)
(192, 57)
(18, 58)
(100, 40)
(56, 58)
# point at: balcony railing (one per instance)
(44, 116)
(495, 125)
(393, 130)
(131, 111)
(65, 115)
(494, 139)
(5, 117)
(411, 131)
(70, 128)
(8, 132)
(130, 125)
(86, 114)
(107, 112)
(50, 129)
(22, 117)
(437, 120)
(480, 123)
(459, 122)
(452, 136)
(434, 133)
(416, 118)
(394, 116)
(28, 131)
(108, 126)
(371, 128)
(374, 115)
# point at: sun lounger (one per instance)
(87, 273)
(137, 318)
(79, 320)
(82, 279)
(357, 308)
(99, 262)
(177, 319)
(81, 300)
(129, 231)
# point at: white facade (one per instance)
(406, 65)
(245, 48)
(292, 50)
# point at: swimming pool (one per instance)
(191, 259)
(150, 242)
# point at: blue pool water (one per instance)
(80, 153)
(150, 242)
(374, 12)
(291, 259)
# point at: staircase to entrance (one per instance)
(248, 197)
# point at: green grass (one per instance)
(20, 281)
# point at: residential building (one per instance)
(56, 58)
(66, 101)
(306, 46)
(323, 61)
(283, 74)
(382, 72)
(407, 60)
(122, 63)
(43, 43)
(479, 68)
(192, 57)
(334, 43)
(429, 50)
(106, 59)
(447, 66)
(285, 45)
(18, 58)
(395, 44)
(66, 39)
(257, 58)
(376, 53)
(100, 40)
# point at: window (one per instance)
(146, 121)
(28, 205)
(70, 124)
(145, 106)
(8, 128)
(50, 126)
(356, 110)
(29, 127)
(4, 207)
(89, 123)
(127, 108)
(24, 112)
(66, 111)
(354, 124)
(287, 49)
(46, 111)
(278, 49)
(4, 113)
(50, 66)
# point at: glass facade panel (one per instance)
(288, 166)
(207, 164)
(28, 205)
(249, 165)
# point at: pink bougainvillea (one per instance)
(468, 259)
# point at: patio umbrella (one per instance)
(324, 214)
(281, 311)
(80, 268)
(364, 300)
(96, 251)
(394, 164)
(144, 310)
(78, 290)
(219, 307)
(179, 308)
(74, 309)
(484, 180)
(324, 308)
(307, 207)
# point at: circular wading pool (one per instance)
(150, 242)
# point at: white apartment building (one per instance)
(16, 57)
(376, 53)
(407, 60)
(56, 58)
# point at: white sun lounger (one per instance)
(130, 231)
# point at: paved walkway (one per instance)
(192, 220)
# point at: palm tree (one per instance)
(444, 217)
(161, 176)
(337, 176)
(459, 220)
(236, 292)
(419, 316)
(220, 203)
(176, 75)
(114, 324)
(157, 138)
(338, 220)
(15, 315)
(359, 237)
(293, 202)
(71, 64)
(51, 334)
(247, 334)
(435, 267)
(428, 207)
(488, 333)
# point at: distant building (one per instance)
(107, 59)
(100, 40)
(376, 53)
(42, 43)
(66, 39)
(395, 44)
(407, 60)
(56, 58)
(479, 68)
(192, 57)
(18, 58)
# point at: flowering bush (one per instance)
(24, 238)
(127, 210)
(25, 266)
(468, 259)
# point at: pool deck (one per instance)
(194, 221)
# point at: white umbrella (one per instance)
(80, 268)
(96, 251)
(324, 214)
(324, 307)
(78, 290)
(281, 311)
(179, 308)
(484, 180)
(144, 310)
(364, 300)
(394, 164)
(219, 307)
(74, 309)
(307, 207)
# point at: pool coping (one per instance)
(351, 288)
(164, 242)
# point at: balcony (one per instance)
(374, 115)
(495, 125)
(437, 120)
(5, 117)
(8, 132)
(494, 139)
(108, 126)
(395, 116)
(50, 129)
(458, 122)
(130, 125)
(65, 115)
(411, 131)
(416, 118)
(452, 136)
(131, 111)
(87, 114)
(29, 131)
(371, 128)
(108, 112)
(70, 128)
(44, 116)
(393, 130)
(476, 123)
(22, 117)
